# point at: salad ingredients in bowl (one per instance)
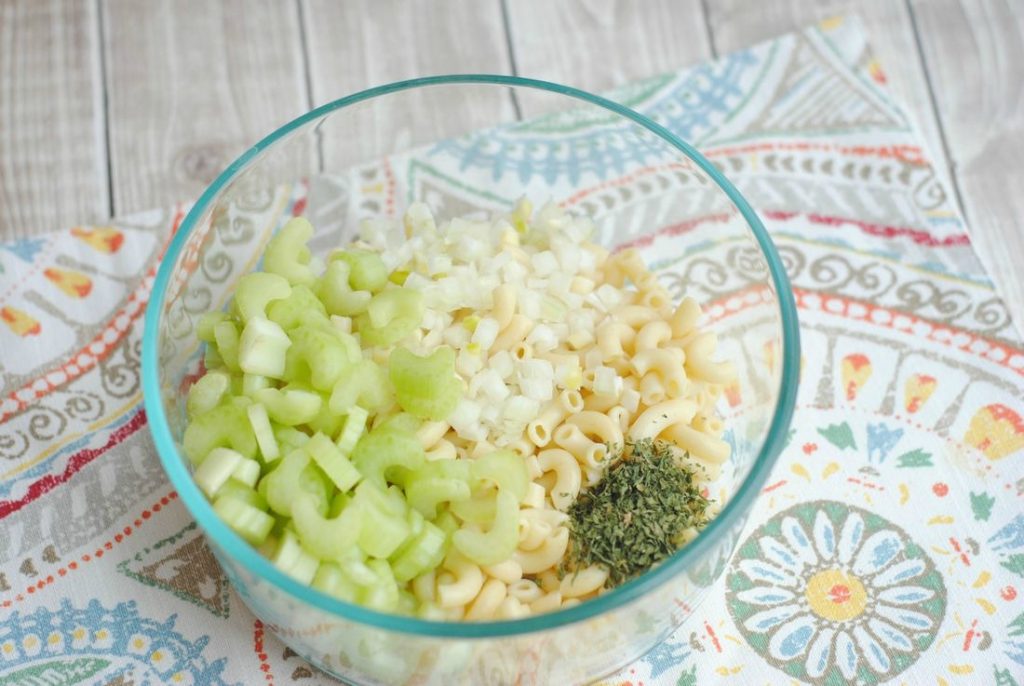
(476, 420)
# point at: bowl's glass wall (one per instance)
(377, 156)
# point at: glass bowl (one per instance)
(461, 144)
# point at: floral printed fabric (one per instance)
(888, 546)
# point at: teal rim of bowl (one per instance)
(247, 556)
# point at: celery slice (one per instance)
(337, 294)
(368, 272)
(294, 475)
(300, 308)
(225, 426)
(206, 393)
(499, 542)
(364, 384)
(255, 291)
(384, 451)
(247, 472)
(216, 469)
(207, 325)
(506, 469)
(385, 526)
(233, 488)
(318, 355)
(293, 560)
(245, 519)
(424, 552)
(355, 424)
(287, 254)
(437, 482)
(425, 386)
(263, 431)
(327, 538)
(290, 406)
(225, 334)
(289, 438)
(262, 349)
(382, 595)
(331, 460)
(330, 579)
(254, 382)
(390, 316)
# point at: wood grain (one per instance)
(598, 44)
(190, 85)
(737, 24)
(362, 43)
(974, 52)
(52, 152)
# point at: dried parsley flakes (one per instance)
(636, 515)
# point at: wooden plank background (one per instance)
(114, 106)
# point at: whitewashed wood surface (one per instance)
(113, 106)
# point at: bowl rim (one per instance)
(237, 549)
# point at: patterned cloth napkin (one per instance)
(887, 547)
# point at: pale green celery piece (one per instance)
(234, 488)
(207, 323)
(425, 551)
(289, 438)
(326, 538)
(331, 460)
(478, 509)
(352, 431)
(301, 308)
(499, 542)
(257, 290)
(212, 358)
(290, 406)
(425, 386)
(338, 503)
(331, 580)
(506, 470)
(336, 293)
(386, 449)
(225, 334)
(391, 315)
(206, 393)
(216, 469)
(382, 595)
(262, 349)
(325, 421)
(437, 482)
(364, 384)
(287, 254)
(264, 432)
(368, 272)
(447, 522)
(225, 426)
(407, 602)
(247, 472)
(254, 382)
(385, 527)
(294, 475)
(248, 521)
(354, 567)
(293, 560)
(240, 401)
(317, 354)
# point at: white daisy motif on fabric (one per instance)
(831, 593)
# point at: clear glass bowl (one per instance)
(460, 144)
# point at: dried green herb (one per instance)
(635, 516)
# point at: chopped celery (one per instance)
(233, 488)
(247, 472)
(333, 581)
(254, 382)
(364, 384)
(293, 560)
(382, 595)
(368, 272)
(255, 291)
(264, 432)
(499, 542)
(422, 553)
(325, 421)
(331, 460)
(248, 521)
(506, 470)
(207, 324)
(391, 315)
(336, 293)
(262, 349)
(355, 424)
(225, 334)
(384, 451)
(385, 526)
(225, 426)
(425, 386)
(287, 254)
(206, 393)
(318, 354)
(289, 438)
(294, 475)
(437, 482)
(447, 522)
(327, 538)
(216, 469)
(290, 406)
(301, 308)
(478, 509)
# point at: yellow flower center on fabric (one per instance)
(836, 595)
